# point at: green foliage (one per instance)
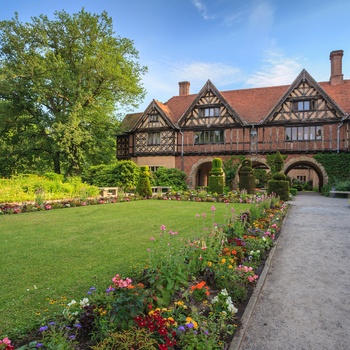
(28, 187)
(133, 338)
(262, 176)
(336, 165)
(170, 177)
(279, 176)
(143, 187)
(124, 174)
(216, 177)
(230, 168)
(246, 177)
(293, 191)
(55, 115)
(280, 188)
(343, 185)
(278, 162)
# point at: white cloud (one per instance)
(277, 70)
(202, 9)
(200, 72)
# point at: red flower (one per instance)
(163, 347)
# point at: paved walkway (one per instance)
(303, 303)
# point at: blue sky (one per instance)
(236, 44)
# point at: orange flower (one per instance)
(234, 252)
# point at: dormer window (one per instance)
(209, 112)
(305, 105)
(153, 118)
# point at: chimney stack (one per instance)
(184, 88)
(336, 67)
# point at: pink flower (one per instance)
(163, 227)
(6, 341)
(152, 238)
(197, 216)
(204, 215)
(213, 209)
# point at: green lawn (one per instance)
(60, 254)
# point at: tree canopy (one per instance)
(61, 83)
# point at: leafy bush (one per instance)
(170, 177)
(143, 187)
(216, 178)
(246, 177)
(293, 191)
(280, 188)
(123, 174)
(27, 187)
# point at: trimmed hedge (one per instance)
(280, 188)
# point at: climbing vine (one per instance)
(337, 165)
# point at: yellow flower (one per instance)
(209, 263)
(230, 266)
(37, 313)
(223, 261)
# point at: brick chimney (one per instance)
(184, 88)
(336, 67)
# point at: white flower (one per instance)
(73, 302)
(84, 302)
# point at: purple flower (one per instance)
(110, 289)
(190, 325)
(44, 328)
(39, 345)
(78, 325)
(89, 292)
(92, 288)
(182, 329)
(71, 337)
(52, 323)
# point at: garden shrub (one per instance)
(170, 177)
(216, 177)
(280, 188)
(124, 173)
(278, 185)
(293, 191)
(246, 177)
(143, 187)
(230, 167)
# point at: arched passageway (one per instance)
(305, 169)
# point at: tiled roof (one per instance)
(339, 93)
(129, 121)
(253, 105)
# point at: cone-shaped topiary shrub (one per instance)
(143, 187)
(278, 184)
(216, 177)
(246, 177)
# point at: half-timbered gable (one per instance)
(154, 132)
(210, 108)
(304, 102)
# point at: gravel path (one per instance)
(303, 301)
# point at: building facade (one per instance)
(190, 130)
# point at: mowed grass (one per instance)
(58, 255)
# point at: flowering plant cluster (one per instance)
(163, 328)
(5, 344)
(200, 291)
(157, 301)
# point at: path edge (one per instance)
(247, 315)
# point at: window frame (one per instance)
(209, 111)
(153, 138)
(205, 137)
(297, 133)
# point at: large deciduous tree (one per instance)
(61, 84)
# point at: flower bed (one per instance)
(187, 298)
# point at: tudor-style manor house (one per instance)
(189, 130)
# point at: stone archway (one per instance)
(200, 168)
(308, 162)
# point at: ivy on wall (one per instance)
(337, 165)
